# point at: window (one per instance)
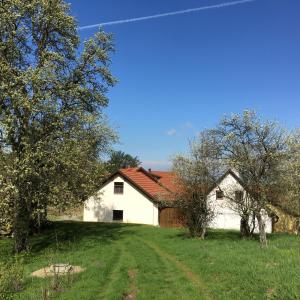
(219, 194)
(117, 215)
(119, 188)
(239, 196)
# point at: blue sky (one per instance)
(180, 74)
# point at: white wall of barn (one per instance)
(137, 208)
(226, 217)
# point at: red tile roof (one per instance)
(156, 184)
(167, 179)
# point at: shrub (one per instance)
(11, 279)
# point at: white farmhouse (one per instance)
(132, 195)
(227, 187)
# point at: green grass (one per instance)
(155, 263)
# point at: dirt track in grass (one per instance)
(195, 279)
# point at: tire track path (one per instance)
(113, 273)
(194, 278)
(157, 277)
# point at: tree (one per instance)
(52, 128)
(119, 160)
(241, 202)
(195, 175)
(287, 190)
(255, 149)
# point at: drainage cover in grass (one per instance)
(57, 270)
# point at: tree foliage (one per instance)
(120, 159)
(288, 187)
(52, 95)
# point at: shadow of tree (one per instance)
(73, 232)
(218, 234)
(5, 248)
(223, 235)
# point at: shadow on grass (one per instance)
(279, 235)
(74, 231)
(234, 235)
(5, 248)
(218, 234)
(212, 235)
(63, 234)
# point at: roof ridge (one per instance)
(147, 174)
(156, 180)
(152, 177)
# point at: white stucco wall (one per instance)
(226, 216)
(137, 208)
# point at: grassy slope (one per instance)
(156, 263)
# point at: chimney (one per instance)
(149, 170)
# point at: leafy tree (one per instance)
(195, 175)
(255, 149)
(52, 128)
(120, 159)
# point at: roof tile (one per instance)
(155, 183)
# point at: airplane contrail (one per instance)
(178, 12)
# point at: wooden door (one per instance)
(170, 217)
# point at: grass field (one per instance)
(143, 262)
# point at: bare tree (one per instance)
(255, 149)
(242, 203)
(196, 174)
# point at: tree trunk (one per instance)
(253, 224)
(245, 227)
(262, 230)
(203, 232)
(197, 232)
(21, 226)
(298, 226)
